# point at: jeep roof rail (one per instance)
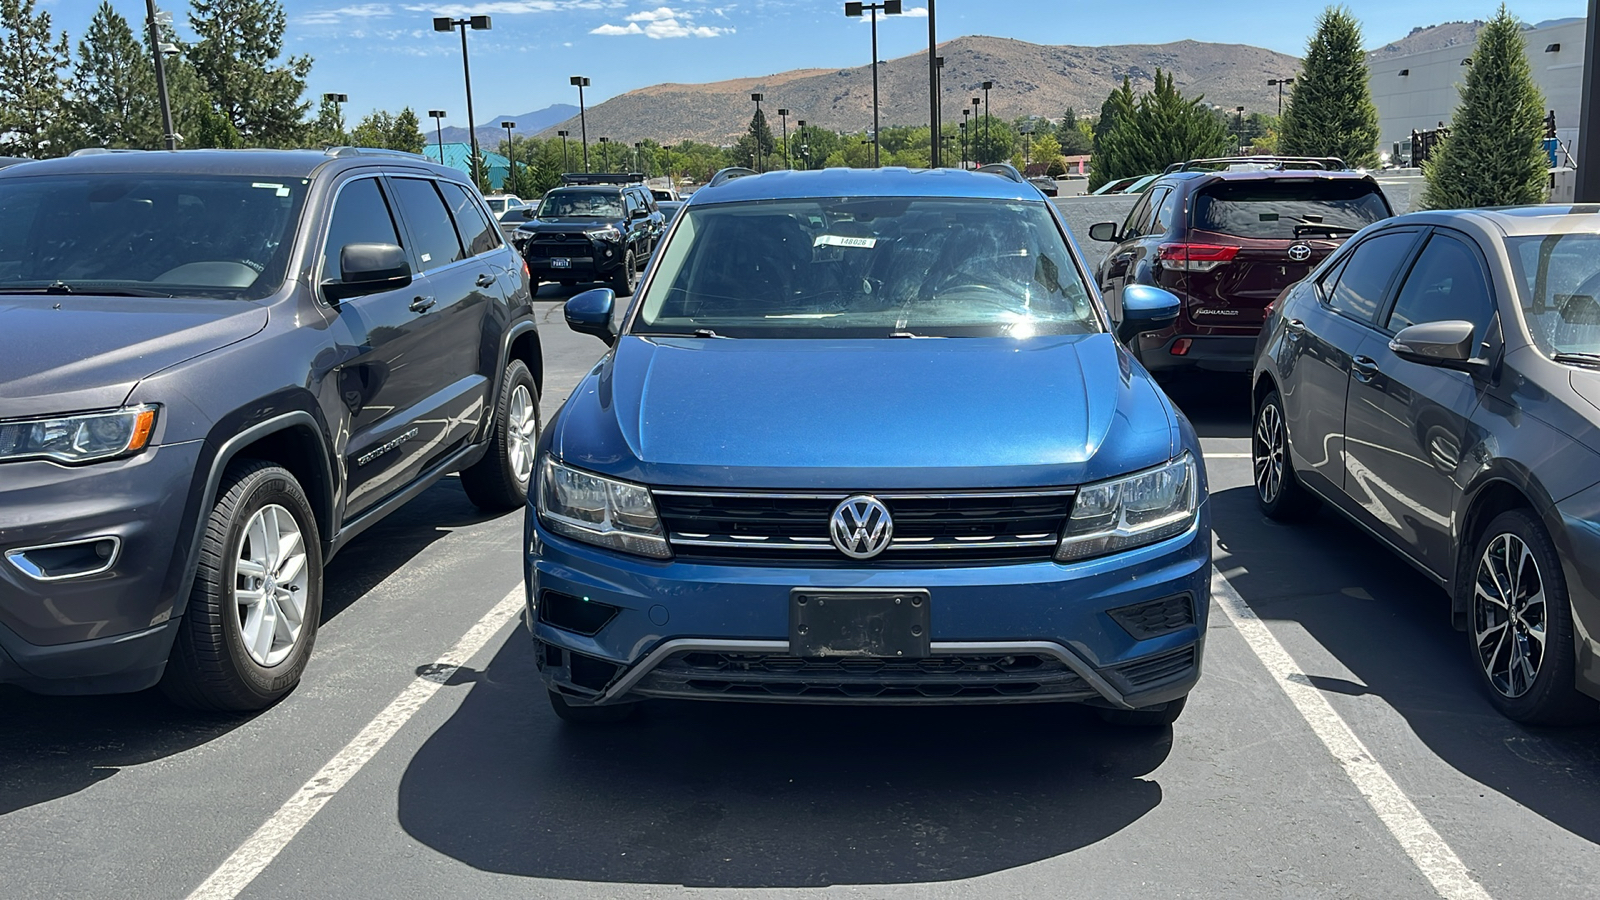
(343, 152)
(1004, 170)
(729, 174)
(1281, 163)
(602, 178)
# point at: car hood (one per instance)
(64, 353)
(868, 414)
(577, 223)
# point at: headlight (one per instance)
(600, 511)
(1128, 512)
(608, 233)
(81, 438)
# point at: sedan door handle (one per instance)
(486, 279)
(422, 304)
(1295, 327)
(1364, 368)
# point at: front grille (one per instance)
(765, 677)
(1153, 671)
(792, 528)
(571, 246)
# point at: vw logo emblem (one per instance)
(861, 527)
(1300, 253)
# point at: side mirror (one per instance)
(1447, 344)
(527, 212)
(590, 313)
(368, 269)
(639, 212)
(1103, 231)
(1145, 307)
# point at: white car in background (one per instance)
(500, 203)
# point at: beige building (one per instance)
(1419, 91)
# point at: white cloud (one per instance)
(661, 23)
(340, 14)
(915, 12)
(632, 28)
(497, 8)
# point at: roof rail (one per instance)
(1004, 170)
(603, 178)
(343, 152)
(729, 174)
(1225, 163)
(96, 151)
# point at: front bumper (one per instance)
(596, 263)
(1032, 632)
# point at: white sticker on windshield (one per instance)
(427, 256)
(839, 240)
(269, 186)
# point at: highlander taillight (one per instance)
(1194, 257)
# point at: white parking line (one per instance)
(235, 874)
(1211, 455)
(1439, 864)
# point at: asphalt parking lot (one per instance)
(1337, 746)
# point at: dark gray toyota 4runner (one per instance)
(218, 367)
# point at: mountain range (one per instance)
(490, 134)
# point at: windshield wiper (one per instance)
(698, 332)
(1326, 229)
(1591, 360)
(62, 288)
(912, 334)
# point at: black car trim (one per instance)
(460, 459)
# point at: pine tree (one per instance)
(1165, 127)
(1330, 110)
(759, 135)
(113, 101)
(327, 129)
(1118, 107)
(1494, 155)
(237, 61)
(32, 89)
(1070, 136)
(405, 132)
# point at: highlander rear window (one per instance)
(1289, 208)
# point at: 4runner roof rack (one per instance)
(729, 174)
(343, 152)
(603, 178)
(1281, 163)
(1004, 170)
(96, 151)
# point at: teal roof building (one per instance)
(458, 155)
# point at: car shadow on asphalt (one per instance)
(1391, 628)
(744, 796)
(1217, 403)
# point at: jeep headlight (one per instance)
(1131, 511)
(80, 437)
(601, 511)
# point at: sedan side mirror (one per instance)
(1447, 344)
(1103, 231)
(368, 269)
(1145, 307)
(590, 313)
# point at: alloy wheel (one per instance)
(269, 590)
(522, 430)
(1267, 445)
(1509, 615)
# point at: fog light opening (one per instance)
(1180, 347)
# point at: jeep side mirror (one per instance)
(368, 269)
(1103, 231)
(590, 313)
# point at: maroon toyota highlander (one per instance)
(1227, 237)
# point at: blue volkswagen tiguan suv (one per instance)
(867, 437)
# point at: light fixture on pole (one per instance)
(783, 116)
(438, 130)
(338, 112)
(1279, 83)
(580, 82)
(565, 165)
(854, 10)
(161, 49)
(758, 98)
(476, 23)
(805, 157)
(511, 152)
(986, 86)
(935, 119)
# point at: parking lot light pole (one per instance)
(580, 82)
(565, 165)
(783, 116)
(854, 10)
(476, 23)
(1279, 83)
(757, 135)
(605, 154)
(963, 132)
(986, 86)
(159, 48)
(977, 158)
(935, 63)
(511, 152)
(637, 145)
(338, 111)
(438, 130)
(1587, 188)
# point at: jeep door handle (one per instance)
(486, 279)
(1295, 328)
(422, 304)
(1364, 368)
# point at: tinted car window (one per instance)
(1359, 290)
(429, 223)
(1446, 283)
(360, 216)
(477, 232)
(867, 267)
(1166, 212)
(596, 204)
(1134, 226)
(1289, 208)
(1558, 285)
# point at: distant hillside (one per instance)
(1030, 79)
(1432, 37)
(491, 134)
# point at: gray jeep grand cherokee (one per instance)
(218, 367)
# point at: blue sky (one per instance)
(384, 54)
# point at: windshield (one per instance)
(1558, 281)
(599, 204)
(1289, 208)
(227, 237)
(867, 267)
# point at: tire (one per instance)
(1515, 569)
(591, 715)
(499, 481)
(1279, 492)
(622, 282)
(1157, 716)
(219, 661)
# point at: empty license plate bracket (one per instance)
(877, 624)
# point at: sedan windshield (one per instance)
(599, 204)
(1558, 280)
(867, 267)
(189, 235)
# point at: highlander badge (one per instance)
(861, 527)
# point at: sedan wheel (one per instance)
(1278, 491)
(270, 585)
